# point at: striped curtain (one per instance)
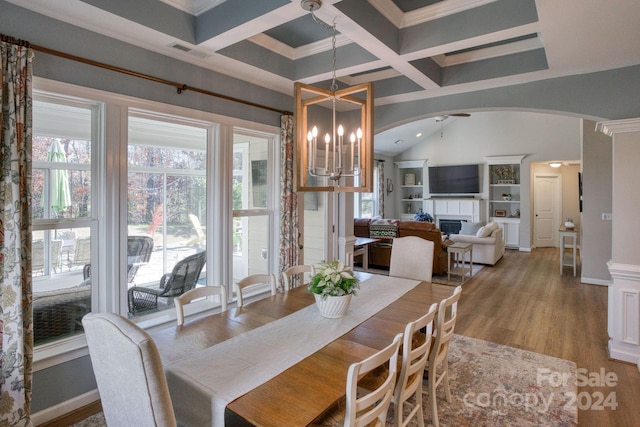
(289, 229)
(16, 317)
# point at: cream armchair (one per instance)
(486, 250)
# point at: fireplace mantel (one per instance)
(471, 210)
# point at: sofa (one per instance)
(58, 313)
(387, 229)
(487, 240)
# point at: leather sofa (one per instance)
(380, 252)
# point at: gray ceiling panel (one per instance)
(153, 14)
(524, 62)
(365, 15)
(232, 13)
(486, 19)
(300, 32)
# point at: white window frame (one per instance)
(110, 196)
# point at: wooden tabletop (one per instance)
(303, 392)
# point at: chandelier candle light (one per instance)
(333, 163)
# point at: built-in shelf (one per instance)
(412, 183)
(504, 178)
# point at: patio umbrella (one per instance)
(60, 195)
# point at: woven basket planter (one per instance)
(333, 307)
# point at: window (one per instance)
(167, 163)
(253, 187)
(63, 218)
(365, 205)
(139, 172)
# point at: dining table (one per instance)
(276, 361)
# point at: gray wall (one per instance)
(596, 186)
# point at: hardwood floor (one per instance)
(524, 302)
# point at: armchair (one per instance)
(182, 278)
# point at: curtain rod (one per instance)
(180, 87)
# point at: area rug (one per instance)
(493, 385)
(497, 385)
(440, 279)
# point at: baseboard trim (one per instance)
(65, 407)
(523, 249)
(593, 281)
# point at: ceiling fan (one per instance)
(443, 117)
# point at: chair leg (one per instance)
(445, 379)
(432, 399)
(420, 410)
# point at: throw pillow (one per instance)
(484, 231)
(471, 228)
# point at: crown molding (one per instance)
(424, 14)
(612, 127)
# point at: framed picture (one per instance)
(409, 179)
(500, 212)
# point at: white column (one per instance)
(345, 237)
(624, 267)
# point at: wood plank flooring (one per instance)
(524, 302)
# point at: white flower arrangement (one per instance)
(333, 279)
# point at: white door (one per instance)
(546, 205)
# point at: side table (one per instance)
(459, 265)
(573, 234)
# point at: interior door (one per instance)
(546, 205)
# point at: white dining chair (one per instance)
(366, 406)
(412, 258)
(129, 373)
(251, 282)
(294, 276)
(415, 355)
(438, 357)
(198, 293)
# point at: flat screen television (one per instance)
(459, 179)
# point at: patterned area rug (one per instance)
(497, 385)
(493, 385)
(440, 279)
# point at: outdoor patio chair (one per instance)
(139, 249)
(38, 256)
(201, 236)
(182, 278)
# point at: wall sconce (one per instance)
(389, 186)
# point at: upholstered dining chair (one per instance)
(183, 277)
(415, 355)
(412, 258)
(197, 293)
(438, 357)
(128, 370)
(294, 276)
(252, 281)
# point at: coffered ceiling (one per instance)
(411, 49)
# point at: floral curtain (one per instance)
(16, 317)
(379, 164)
(289, 230)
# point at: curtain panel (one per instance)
(16, 317)
(289, 228)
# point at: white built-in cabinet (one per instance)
(471, 210)
(503, 173)
(412, 187)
